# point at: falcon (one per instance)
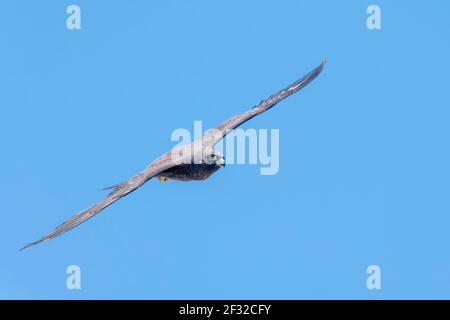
(195, 161)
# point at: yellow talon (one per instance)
(163, 179)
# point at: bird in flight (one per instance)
(195, 161)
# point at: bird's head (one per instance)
(214, 157)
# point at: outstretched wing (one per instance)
(120, 190)
(210, 138)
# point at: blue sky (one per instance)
(364, 149)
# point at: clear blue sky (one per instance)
(364, 150)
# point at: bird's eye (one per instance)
(212, 157)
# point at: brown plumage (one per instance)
(185, 166)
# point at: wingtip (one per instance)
(26, 246)
(31, 244)
(324, 61)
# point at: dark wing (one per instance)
(120, 190)
(215, 135)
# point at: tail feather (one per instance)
(114, 188)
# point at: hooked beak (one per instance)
(221, 162)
